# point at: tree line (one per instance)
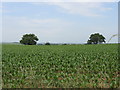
(31, 39)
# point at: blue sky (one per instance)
(61, 22)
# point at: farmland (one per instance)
(65, 66)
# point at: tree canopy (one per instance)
(96, 39)
(29, 39)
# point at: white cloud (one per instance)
(45, 28)
(1, 7)
(43, 21)
(46, 23)
(60, 0)
(52, 30)
(81, 8)
(76, 6)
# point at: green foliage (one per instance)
(47, 43)
(60, 66)
(96, 38)
(89, 42)
(29, 39)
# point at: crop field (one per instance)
(60, 66)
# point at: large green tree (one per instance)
(29, 39)
(96, 39)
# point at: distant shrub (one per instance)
(64, 44)
(47, 43)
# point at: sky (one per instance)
(59, 22)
